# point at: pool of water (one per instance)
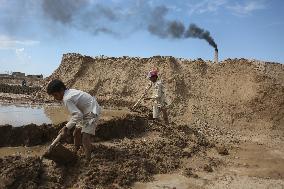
(18, 115)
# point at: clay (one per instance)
(141, 149)
(60, 155)
(17, 172)
(28, 135)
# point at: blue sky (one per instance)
(35, 33)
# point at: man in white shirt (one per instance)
(158, 96)
(85, 112)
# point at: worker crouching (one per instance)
(85, 113)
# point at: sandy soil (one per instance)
(226, 131)
(129, 149)
(126, 150)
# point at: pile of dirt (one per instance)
(226, 105)
(18, 172)
(225, 94)
(28, 135)
(30, 172)
(129, 126)
(138, 151)
(32, 134)
(126, 161)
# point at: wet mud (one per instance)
(28, 135)
(126, 150)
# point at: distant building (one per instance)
(18, 74)
(4, 75)
(35, 76)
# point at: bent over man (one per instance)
(85, 112)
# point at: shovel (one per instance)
(56, 140)
(139, 100)
(59, 153)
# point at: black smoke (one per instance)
(63, 11)
(98, 17)
(160, 26)
(197, 32)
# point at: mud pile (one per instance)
(28, 135)
(139, 150)
(127, 161)
(17, 172)
(225, 94)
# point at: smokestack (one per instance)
(216, 56)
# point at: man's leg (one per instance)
(87, 145)
(156, 112)
(77, 138)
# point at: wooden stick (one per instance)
(144, 94)
(56, 140)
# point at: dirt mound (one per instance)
(130, 126)
(31, 172)
(225, 94)
(28, 135)
(127, 161)
(212, 105)
(17, 172)
(128, 150)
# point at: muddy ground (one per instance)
(135, 152)
(226, 131)
(126, 150)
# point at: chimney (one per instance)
(216, 56)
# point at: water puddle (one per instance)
(18, 115)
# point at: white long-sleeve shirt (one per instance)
(158, 92)
(79, 103)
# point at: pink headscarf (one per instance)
(152, 73)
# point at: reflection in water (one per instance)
(18, 115)
(57, 114)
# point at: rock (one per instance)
(61, 155)
(208, 168)
(222, 150)
(188, 172)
